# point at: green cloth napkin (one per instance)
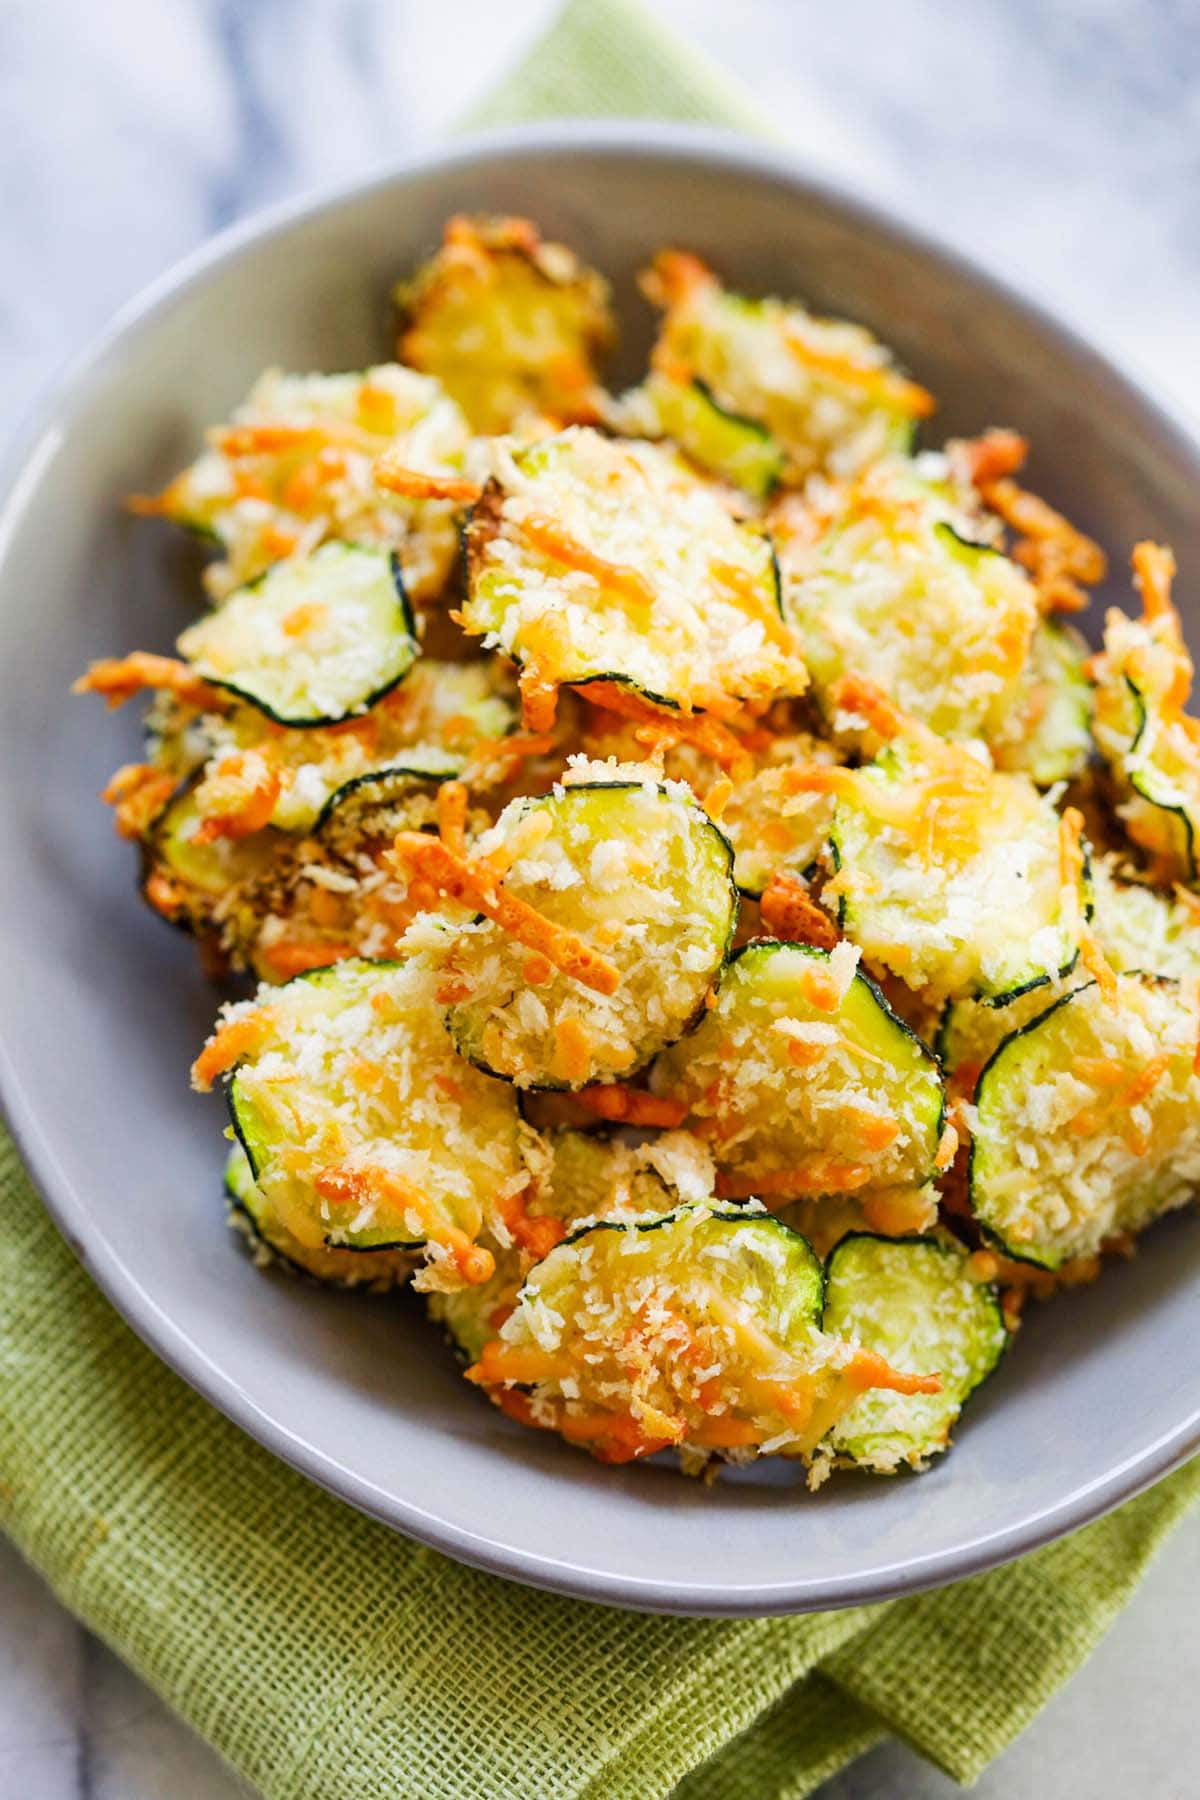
(328, 1658)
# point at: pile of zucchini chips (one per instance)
(718, 935)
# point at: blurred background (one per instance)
(1056, 140)
(1059, 140)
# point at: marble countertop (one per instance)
(1057, 140)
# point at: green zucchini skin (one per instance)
(724, 443)
(405, 636)
(1184, 824)
(863, 1276)
(395, 776)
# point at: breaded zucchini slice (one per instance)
(888, 582)
(827, 392)
(296, 464)
(955, 878)
(698, 1330)
(803, 1081)
(1143, 678)
(277, 904)
(591, 1175)
(1088, 1121)
(1139, 927)
(272, 1243)
(510, 325)
(363, 1129)
(609, 910)
(1047, 734)
(726, 444)
(774, 829)
(206, 884)
(592, 559)
(912, 1301)
(314, 641)
(1136, 928)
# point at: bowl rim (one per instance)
(20, 471)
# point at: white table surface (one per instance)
(1058, 140)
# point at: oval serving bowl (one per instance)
(102, 1007)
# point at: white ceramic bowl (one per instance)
(102, 1006)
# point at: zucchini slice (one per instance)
(295, 464)
(1048, 734)
(826, 391)
(274, 1244)
(1140, 928)
(893, 589)
(509, 324)
(699, 1330)
(1137, 929)
(912, 1300)
(724, 443)
(594, 559)
(1151, 746)
(803, 1081)
(951, 875)
(637, 871)
(313, 641)
(209, 889)
(362, 1128)
(1088, 1121)
(591, 1175)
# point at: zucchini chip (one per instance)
(596, 560)
(725, 444)
(883, 580)
(272, 1243)
(509, 324)
(1143, 678)
(1048, 735)
(955, 878)
(1136, 928)
(803, 1081)
(363, 1129)
(590, 1176)
(206, 885)
(1088, 1121)
(698, 1330)
(826, 391)
(610, 911)
(913, 1302)
(316, 640)
(296, 465)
